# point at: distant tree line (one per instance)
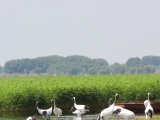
(146, 65)
(57, 65)
(81, 65)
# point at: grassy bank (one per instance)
(22, 93)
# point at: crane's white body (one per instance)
(77, 112)
(126, 114)
(79, 107)
(118, 107)
(48, 112)
(107, 113)
(29, 118)
(148, 108)
(122, 112)
(57, 111)
(45, 112)
(34, 117)
(145, 103)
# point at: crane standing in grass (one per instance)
(45, 112)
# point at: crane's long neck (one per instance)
(51, 104)
(109, 102)
(148, 96)
(37, 105)
(74, 101)
(115, 99)
(54, 103)
(72, 109)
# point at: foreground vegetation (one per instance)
(95, 91)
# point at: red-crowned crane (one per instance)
(57, 111)
(45, 112)
(148, 110)
(80, 107)
(77, 112)
(106, 113)
(122, 112)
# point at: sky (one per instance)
(114, 30)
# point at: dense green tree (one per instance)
(122, 69)
(151, 60)
(105, 71)
(132, 70)
(80, 65)
(117, 68)
(133, 62)
(37, 70)
(92, 71)
(140, 70)
(71, 65)
(149, 69)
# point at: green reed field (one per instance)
(95, 91)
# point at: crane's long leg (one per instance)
(57, 117)
(146, 117)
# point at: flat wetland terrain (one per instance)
(22, 93)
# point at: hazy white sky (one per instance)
(115, 30)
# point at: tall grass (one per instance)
(22, 93)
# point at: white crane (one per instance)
(117, 109)
(148, 110)
(145, 103)
(45, 112)
(34, 117)
(80, 107)
(57, 111)
(77, 112)
(122, 112)
(106, 113)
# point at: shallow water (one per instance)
(92, 115)
(72, 117)
(65, 117)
